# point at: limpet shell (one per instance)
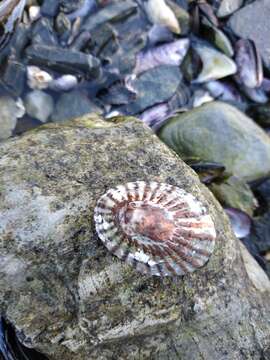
(158, 228)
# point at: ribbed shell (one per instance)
(160, 229)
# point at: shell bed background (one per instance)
(158, 228)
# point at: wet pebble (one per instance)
(154, 86)
(39, 105)
(10, 111)
(14, 76)
(243, 148)
(73, 104)
(63, 60)
(64, 83)
(50, 8)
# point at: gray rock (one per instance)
(63, 60)
(220, 133)
(50, 8)
(71, 105)
(14, 76)
(153, 87)
(228, 7)
(70, 299)
(111, 12)
(43, 33)
(252, 22)
(10, 110)
(39, 105)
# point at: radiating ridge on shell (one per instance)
(158, 228)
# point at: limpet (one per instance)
(158, 228)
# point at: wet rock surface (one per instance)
(221, 133)
(69, 298)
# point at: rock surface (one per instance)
(221, 133)
(70, 299)
(252, 22)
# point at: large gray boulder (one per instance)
(220, 132)
(70, 299)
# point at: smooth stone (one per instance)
(39, 105)
(227, 7)
(43, 33)
(71, 105)
(19, 40)
(154, 86)
(235, 193)
(14, 76)
(10, 110)
(220, 133)
(50, 8)
(252, 22)
(111, 12)
(63, 60)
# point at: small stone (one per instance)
(39, 105)
(50, 8)
(64, 83)
(43, 33)
(10, 110)
(62, 24)
(63, 60)
(153, 87)
(37, 78)
(14, 76)
(71, 105)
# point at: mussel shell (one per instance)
(158, 228)
(249, 63)
(240, 222)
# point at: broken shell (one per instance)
(169, 54)
(158, 228)
(224, 91)
(240, 222)
(219, 39)
(215, 64)
(249, 63)
(37, 78)
(160, 13)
